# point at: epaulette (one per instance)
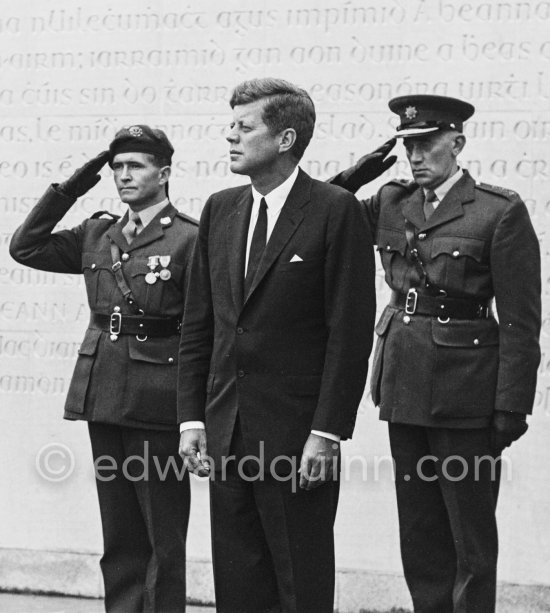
(185, 217)
(499, 191)
(99, 214)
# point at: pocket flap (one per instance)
(89, 344)
(458, 247)
(391, 240)
(466, 333)
(156, 350)
(383, 323)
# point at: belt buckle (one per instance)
(412, 297)
(115, 325)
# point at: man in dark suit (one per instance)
(454, 383)
(124, 382)
(275, 345)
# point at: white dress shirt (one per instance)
(275, 201)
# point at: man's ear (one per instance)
(286, 140)
(164, 174)
(458, 144)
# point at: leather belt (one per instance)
(441, 307)
(116, 324)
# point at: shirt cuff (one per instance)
(189, 425)
(332, 437)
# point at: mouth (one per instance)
(232, 152)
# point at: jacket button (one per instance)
(406, 320)
(170, 360)
(125, 257)
(240, 373)
(93, 266)
(240, 330)
(388, 247)
(476, 341)
(116, 309)
(456, 253)
(422, 236)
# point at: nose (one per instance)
(125, 173)
(232, 136)
(414, 153)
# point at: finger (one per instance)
(388, 145)
(316, 475)
(304, 472)
(388, 162)
(97, 163)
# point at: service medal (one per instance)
(150, 278)
(165, 274)
(164, 260)
(152, 262)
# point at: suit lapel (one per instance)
(451, 206)
(236, 237)
(152, 231)
(448, 209)
(290, 218)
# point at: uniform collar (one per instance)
(147, 215)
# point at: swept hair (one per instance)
(286, 106)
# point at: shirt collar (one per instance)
(276, 197)
(445, 187)
(147, 215)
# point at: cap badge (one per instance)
(411, 112)
(135, 131)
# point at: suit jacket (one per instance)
(126, 382)
(478, 244)
(293, 355)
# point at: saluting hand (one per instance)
(193, 451)
(368, 168)
(85, 177)
(319, 461)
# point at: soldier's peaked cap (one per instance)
(141, 139)
(423, 113)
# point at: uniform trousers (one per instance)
(144, 501)
(273, 543)
(447, 486)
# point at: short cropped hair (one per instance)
(286, 106)
(160, 161)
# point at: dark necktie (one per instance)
(257, 247)
(132, 228)
(429, 203)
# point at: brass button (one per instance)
(422, 236)
(125, 257)
(388, 247)
(406, 320)
(93, 266)
(456, 253)
(170, 360)
(116, 309)
(240, 330)
(476, 341)
(240, 373)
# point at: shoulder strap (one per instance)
(121, 281)
(410, 235)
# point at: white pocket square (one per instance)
(296, 258)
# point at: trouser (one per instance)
(447, 486)
(273, 544)
(144, 501)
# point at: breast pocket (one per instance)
(99, 279)
(392, 246)
(454, 259)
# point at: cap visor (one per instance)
(414, 132)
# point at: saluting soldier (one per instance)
(124, 382)
(454, 383)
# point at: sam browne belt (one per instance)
(442, 306)
(142, 327)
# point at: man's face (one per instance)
(253, 148)
(140, 183)
(432, 156)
